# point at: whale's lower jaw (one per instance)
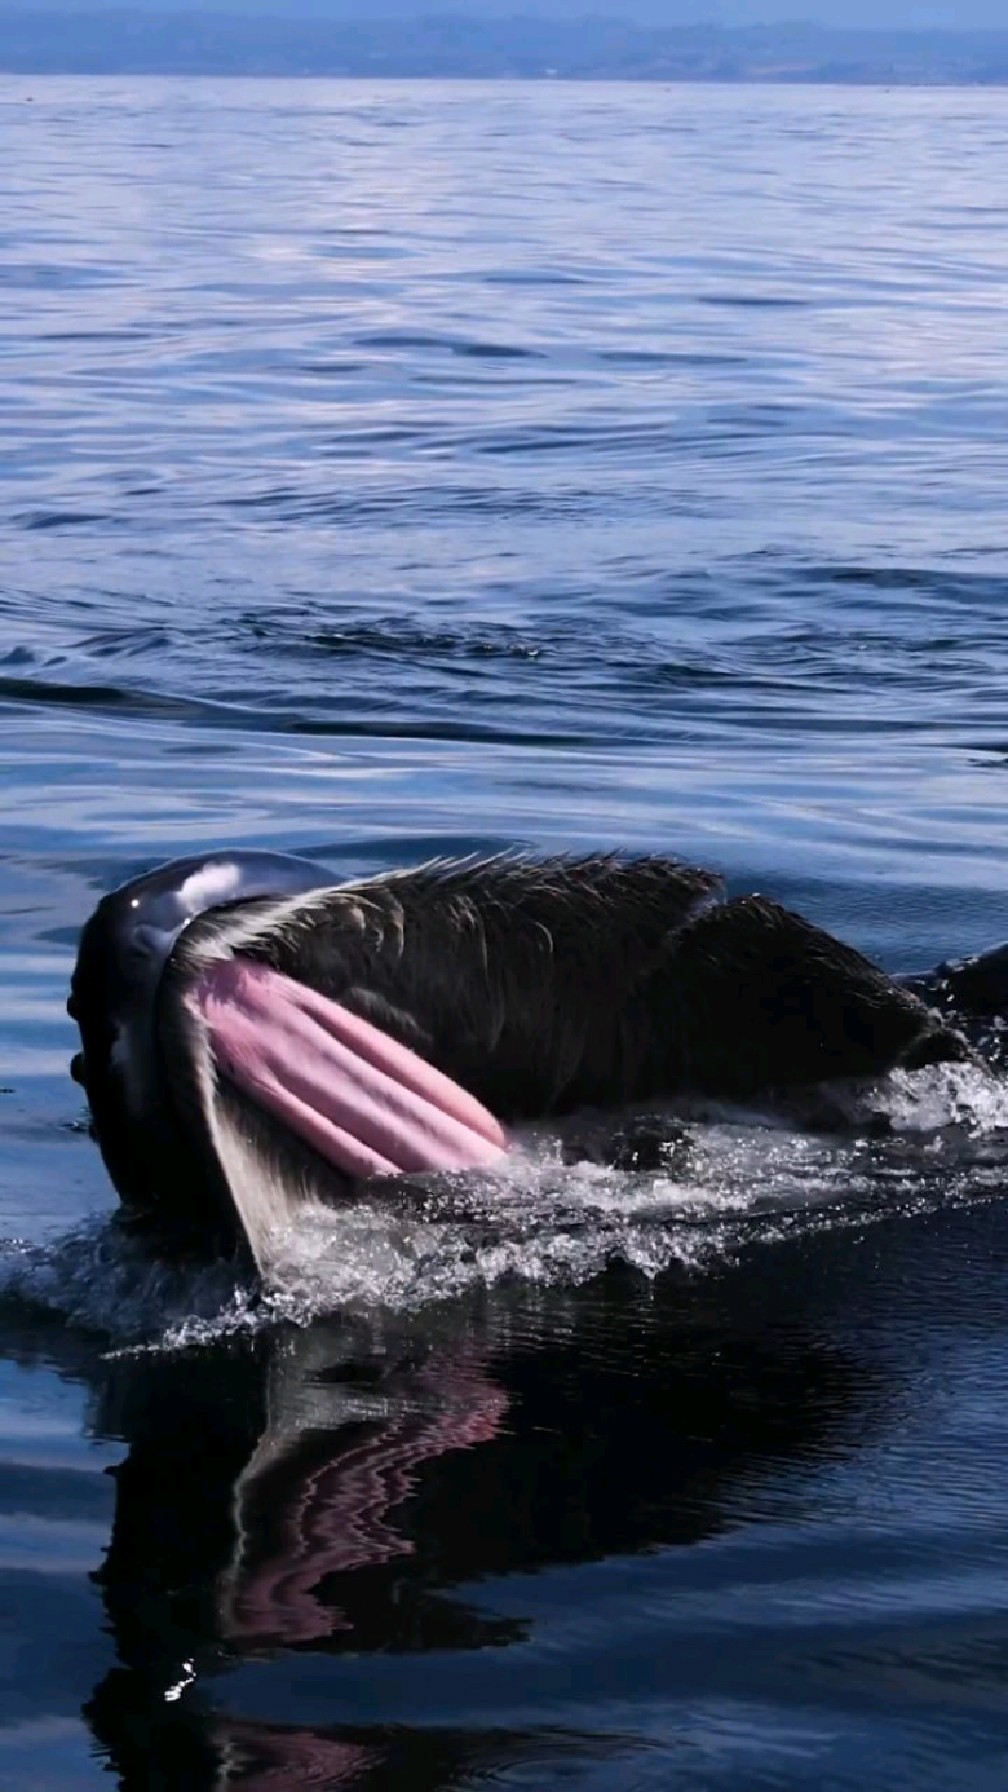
(361, 1102)
(367, 1104)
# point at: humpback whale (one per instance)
(255, 1036)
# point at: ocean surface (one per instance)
(394, 470)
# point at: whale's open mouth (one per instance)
(256, 1039)
(284, 1094)
(364, 1102)
(290, 1099)
(229, 1085)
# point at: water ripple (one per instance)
(394, 470)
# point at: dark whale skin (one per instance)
(541, 986)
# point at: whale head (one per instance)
(134, 1064)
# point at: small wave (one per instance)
(100, 697)
(37, 520)
(407, 340)
(100, 1279)
(390, 637)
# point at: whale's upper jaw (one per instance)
(156, 1164)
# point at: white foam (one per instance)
(544, 1221)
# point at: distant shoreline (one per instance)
(363, 78)
(768, 84)
(442, 48)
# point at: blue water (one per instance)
(399, 469)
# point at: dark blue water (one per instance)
(399, 470)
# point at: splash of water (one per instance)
(552, 1216)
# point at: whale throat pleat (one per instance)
(365, 1103)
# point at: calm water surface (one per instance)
(407, 469)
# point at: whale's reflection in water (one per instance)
(345, 1488)
(494, 1541)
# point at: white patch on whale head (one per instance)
(211, 884)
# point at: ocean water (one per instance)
(389, 470)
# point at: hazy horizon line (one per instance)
(123, 39)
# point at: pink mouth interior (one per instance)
(365, 1103)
